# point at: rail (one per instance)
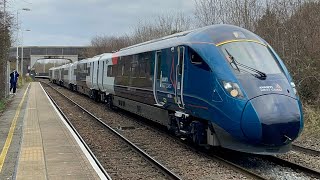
(305, 150)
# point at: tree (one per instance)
(292, 28)
(5, 43)
(107, 44)
(243, 13)
(160, 26)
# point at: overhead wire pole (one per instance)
(22, 56)
(18, 29)
(17, 55)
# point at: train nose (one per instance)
(272, 120)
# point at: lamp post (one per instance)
(17, 55)
(21, 71)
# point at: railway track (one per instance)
(297, 167)
(264, 164)
(305, 150)
(164, 173)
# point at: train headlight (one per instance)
(233, 89)
(294, 87)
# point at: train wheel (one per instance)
(197, 133)
(75, 88)
(97, 96)
(110, 103)
(173, 126)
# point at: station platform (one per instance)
(38, 144)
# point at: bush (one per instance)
(2, 105)
(311, 121)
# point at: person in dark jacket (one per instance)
(13, 81)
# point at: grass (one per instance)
(311, 122)
(26, 79)
(3, 103)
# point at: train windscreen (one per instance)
(247, 57)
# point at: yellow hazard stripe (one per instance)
(11, 131)
(239, 40)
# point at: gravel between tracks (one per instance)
(183, 161)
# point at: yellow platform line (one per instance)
(11, 131)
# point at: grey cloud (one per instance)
(75, 22)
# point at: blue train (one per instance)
(219, 85)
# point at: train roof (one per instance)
(53, 68)
(213, 34)
(96, 58)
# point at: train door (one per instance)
(157, 77)
(90, 84)
(180, 77)
(97, 68)
(94, 74)
(70, 74)
(101, 74)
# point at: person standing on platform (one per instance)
(13, 81)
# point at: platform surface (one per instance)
(48, 150)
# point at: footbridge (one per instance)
(44, 56)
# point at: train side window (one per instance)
(119, 72)
(114, 70)
(195, 58)
(122, 70)
(198, 61)
(110, 73)
(134, 70)
(126, 66)
(181, 56)
(143, 69)
(159, 65)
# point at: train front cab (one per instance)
(253, 106)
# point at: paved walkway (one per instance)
(11, 124)
(48, 150)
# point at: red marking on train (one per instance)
(114, 59)
(200, 107)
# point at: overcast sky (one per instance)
(75, 22)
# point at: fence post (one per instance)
(7, 81)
